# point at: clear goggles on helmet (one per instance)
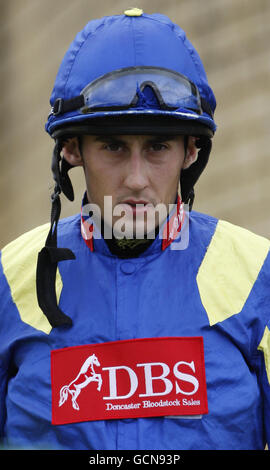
(123, 89)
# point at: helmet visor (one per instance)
(123, 88)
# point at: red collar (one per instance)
(173, 225)
(169, 234)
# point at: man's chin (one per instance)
(131, 229)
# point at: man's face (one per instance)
(137, 172)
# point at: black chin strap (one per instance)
(50, 254)
(191, 175)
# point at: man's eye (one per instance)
(158, 146)
(113, 147)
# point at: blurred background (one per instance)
(233, 40)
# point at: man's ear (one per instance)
(71, 152)
(191, 153)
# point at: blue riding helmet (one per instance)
(130, 43)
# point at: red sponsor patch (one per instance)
(128, 379)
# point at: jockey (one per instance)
(138, 323)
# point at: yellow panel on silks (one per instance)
(19, 260)
(229, 269)
(264, 346)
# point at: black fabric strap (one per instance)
(50, 254)
(190, 176)
(60, 168)
(48, 259)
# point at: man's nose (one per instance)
(136, 172)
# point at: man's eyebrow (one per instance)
(162, 138)
(108, 138)
(152, 138)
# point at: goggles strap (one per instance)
(62, 106)
(206, 107)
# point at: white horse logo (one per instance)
(81, 381)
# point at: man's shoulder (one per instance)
(227, 232)
(18, 271)
(27, 245)
(232, 252)
(235, 260)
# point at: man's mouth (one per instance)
(137, 205)
(134, 202)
